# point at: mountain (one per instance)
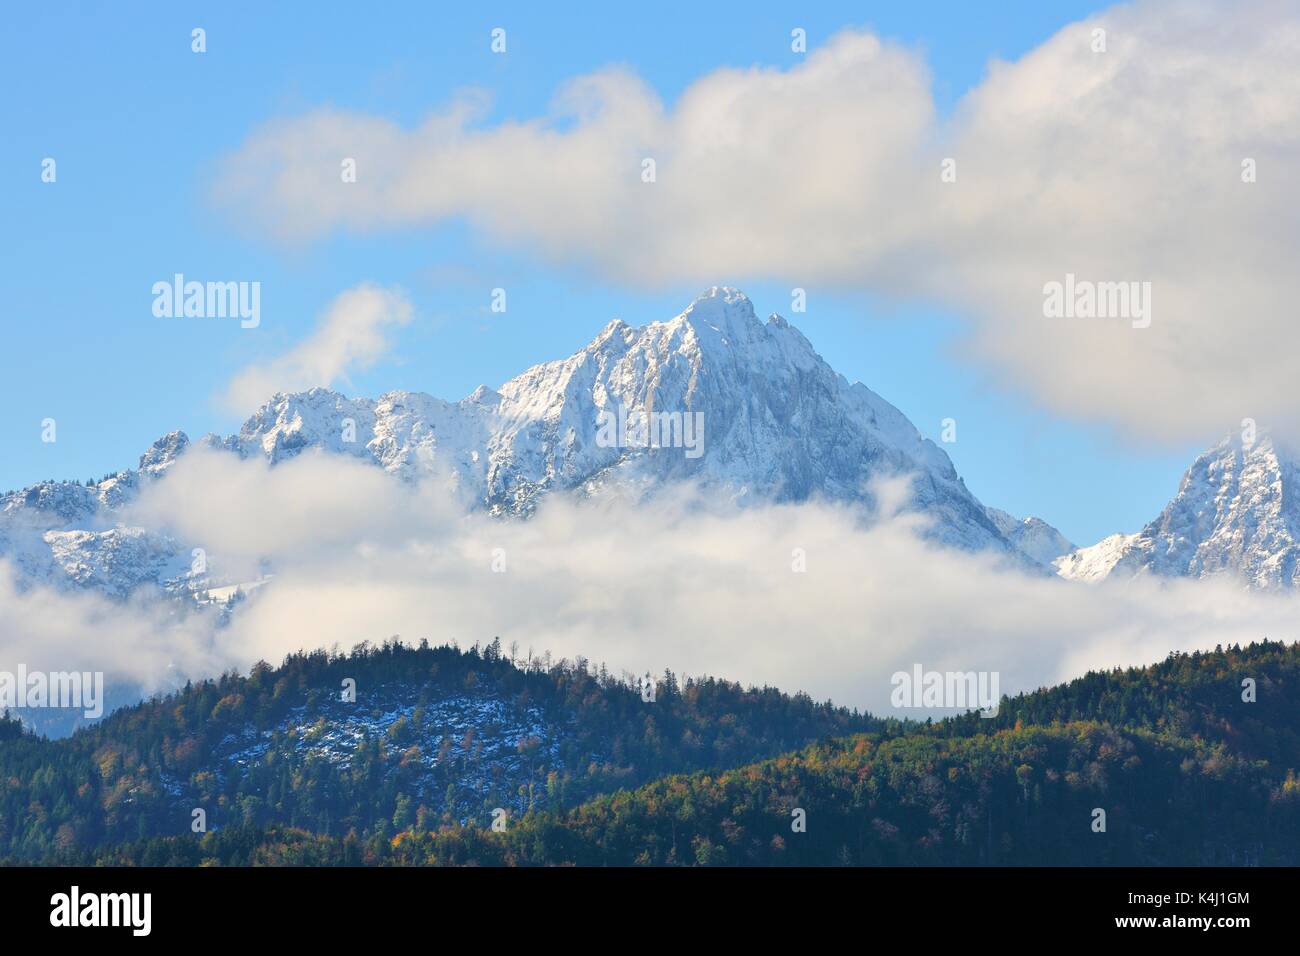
(745, 408)
(1185, 771)
(67, 535)
(1033, 537)
(1237, 512)
(432, 736)
(778, 424)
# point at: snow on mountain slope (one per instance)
(1236, 512)
(117, 560)
(1097, 561)
(458, 749)
(66, 535)
(1034, 537)
(778, 424)
(771, 420)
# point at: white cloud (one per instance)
(141, 644)
(351, 335)
(685, 584)
(1115, 166)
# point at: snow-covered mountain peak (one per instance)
(1033, 536)
(53, 503)
(721, 320)
(1236, 512)
(616, 332)
(163, 453)
(722, 308)
(483, 395)
(316, 418)
(745, 409)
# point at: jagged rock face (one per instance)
(1236, 513)
(163, 453)
(117, 560)
(51, 501)
(778, 424)
(1032, 536)
(748, 409)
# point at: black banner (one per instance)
(337, 905)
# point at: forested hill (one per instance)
(1196, 696)
(1183, 768)
(434, 736)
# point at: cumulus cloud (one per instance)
(686, 584)
(351, 335)
(1115, 166)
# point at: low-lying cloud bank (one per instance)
(677, 582)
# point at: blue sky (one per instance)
(137, 123)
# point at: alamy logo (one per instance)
(641, 429)
(209, 300)
(103, 909)
(53, 689)
(1084, 299)
(968, 690)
